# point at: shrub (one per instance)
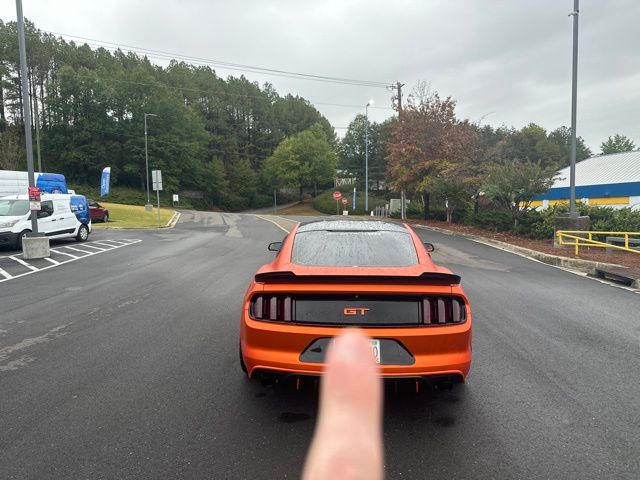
(498, 220)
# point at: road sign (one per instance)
(176, 198)
(345, 201)
(34, 198)
(337, 195)
(156, 179)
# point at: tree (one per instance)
(91, 105)
(532, 143)
(428, 142)
(562, 137)
(450, 193)
(306, 159)
(515, 183)
(352, 150)
(617, 144)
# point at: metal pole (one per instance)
(146, 158)
(38, 136)
(158, 195)
(574, 93)
(366, 161)
(354, 199)
(25, 107)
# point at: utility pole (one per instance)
(366, 158)
(38, 136)
(146, 159)
(399, 93)
(26, 109)
(574, 93)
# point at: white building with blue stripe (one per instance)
(611, 180)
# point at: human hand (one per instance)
(347, 443)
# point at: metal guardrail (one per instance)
(584, 238)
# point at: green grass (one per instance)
(326, 204)
(133, 216)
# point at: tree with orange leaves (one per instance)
(431, 148)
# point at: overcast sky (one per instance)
(506, 62)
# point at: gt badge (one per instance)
(354, 311)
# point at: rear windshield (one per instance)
(13, 208)
(377, 248)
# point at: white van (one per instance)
(61, 216)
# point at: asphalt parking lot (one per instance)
(123, 364)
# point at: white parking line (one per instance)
(86, 245)
(64, 253)
(78, 250)
(73, 258)
(117, 242)
(22, 262)
(110, 245)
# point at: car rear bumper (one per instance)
(435, 350)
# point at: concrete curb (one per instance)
(585, 266)
(172, 222)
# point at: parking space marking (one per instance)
(54, 263)
(86, 245)
(109, 244)
(79, 250)
(63, 253)
(22, 262)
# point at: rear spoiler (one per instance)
(427, 278)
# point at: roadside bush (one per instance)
(498, 220)
(260, 200)
(415, 210)
(325, 203)
(234, 203)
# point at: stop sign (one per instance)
(345, 201)
(337, 195)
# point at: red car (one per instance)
(375, 275)
(97, 211)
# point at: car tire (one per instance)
(105, 218)
(242, 364)
(83, 233)
(19, 239)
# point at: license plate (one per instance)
(375, 349)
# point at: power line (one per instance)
(209, 92)
(228, 65)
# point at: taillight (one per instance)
(443, 311)
(272, 307)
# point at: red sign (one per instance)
(337, 195)
(34, 194)
(345, 201)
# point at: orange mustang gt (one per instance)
(374, 275)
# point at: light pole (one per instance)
(366, 157)
(574, 93)
(146, 154)
(25, 106)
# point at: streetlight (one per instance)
(146, 156)
(366, 157)
(574, 94)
